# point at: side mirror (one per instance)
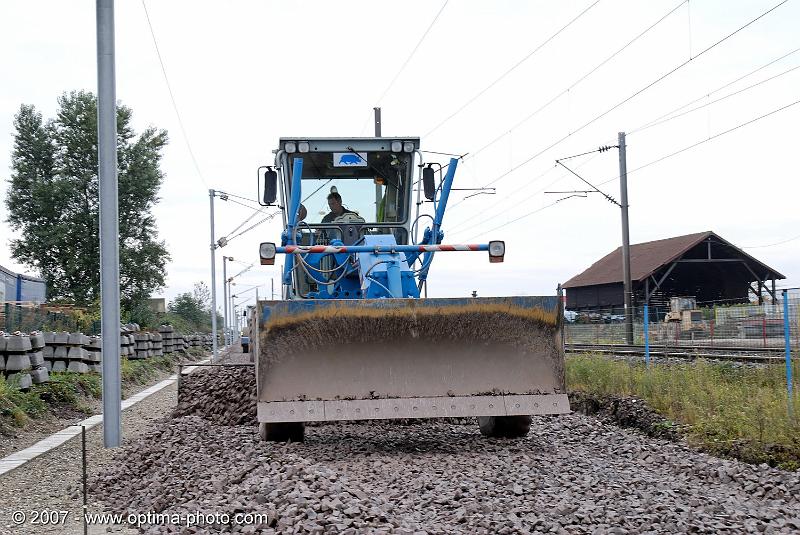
(429, 182)
(270, 186)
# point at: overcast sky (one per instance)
(487, 80)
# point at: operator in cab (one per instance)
(337, 210)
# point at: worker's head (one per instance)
(301, 213)
(335, 203)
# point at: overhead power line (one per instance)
(773, 244)
(406, 62)
(254, 225)
(717, 90)
(632, 96)
(172, 98)
(510, 70)
(715, 101)
(517, 220)
(661, 159)
(715, 136)
(513, 194)
(576, 82)
(411, 55)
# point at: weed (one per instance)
(726, 409)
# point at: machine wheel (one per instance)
(504, 426)
(282, 432)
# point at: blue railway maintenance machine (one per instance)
(353, 337)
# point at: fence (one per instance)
(718, 326)
(28, 317)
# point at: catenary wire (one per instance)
(717, 90)
(254, 225)
(406, 62)
(172, 98)
(574, 84)
(662, 117)
(702, 141)
(658, 160)
(773, 244)
(220, 192)
(635, 94)
(510, 70)
(707, 104)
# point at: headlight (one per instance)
(397, 146)
(267, 253)
(497, 250)
(408, 146)
(303, 146)
(290, 147)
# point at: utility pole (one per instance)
(214, 349)
(230, 306)
(626, 244)
(377, 122)
(225, 336)
(109, 223)
(627, 287)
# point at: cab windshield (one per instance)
(373, 186)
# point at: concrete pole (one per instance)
(626, 244)
(109, 223)
(214, 348)
(225, 336)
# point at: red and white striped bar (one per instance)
(376, 249)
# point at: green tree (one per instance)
(53, 201)
(202, 295)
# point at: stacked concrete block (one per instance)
(76, 354)
(144, 346)
(167, 333)
(55, 351)
(127, 344)
(15, 358)
(158, 344)
(94, 354)
(39, 371)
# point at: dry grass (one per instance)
(725, 409)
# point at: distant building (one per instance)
(21, 288)
(157, 304)
(702, 265)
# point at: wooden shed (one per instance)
(703, 265)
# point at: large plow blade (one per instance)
(409, 358)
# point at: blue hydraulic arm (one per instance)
(294, 206)
(435, 235)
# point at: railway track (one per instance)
(739, 354)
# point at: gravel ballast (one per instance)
(572, 474)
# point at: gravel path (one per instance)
(52, 481)
(573, 474)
